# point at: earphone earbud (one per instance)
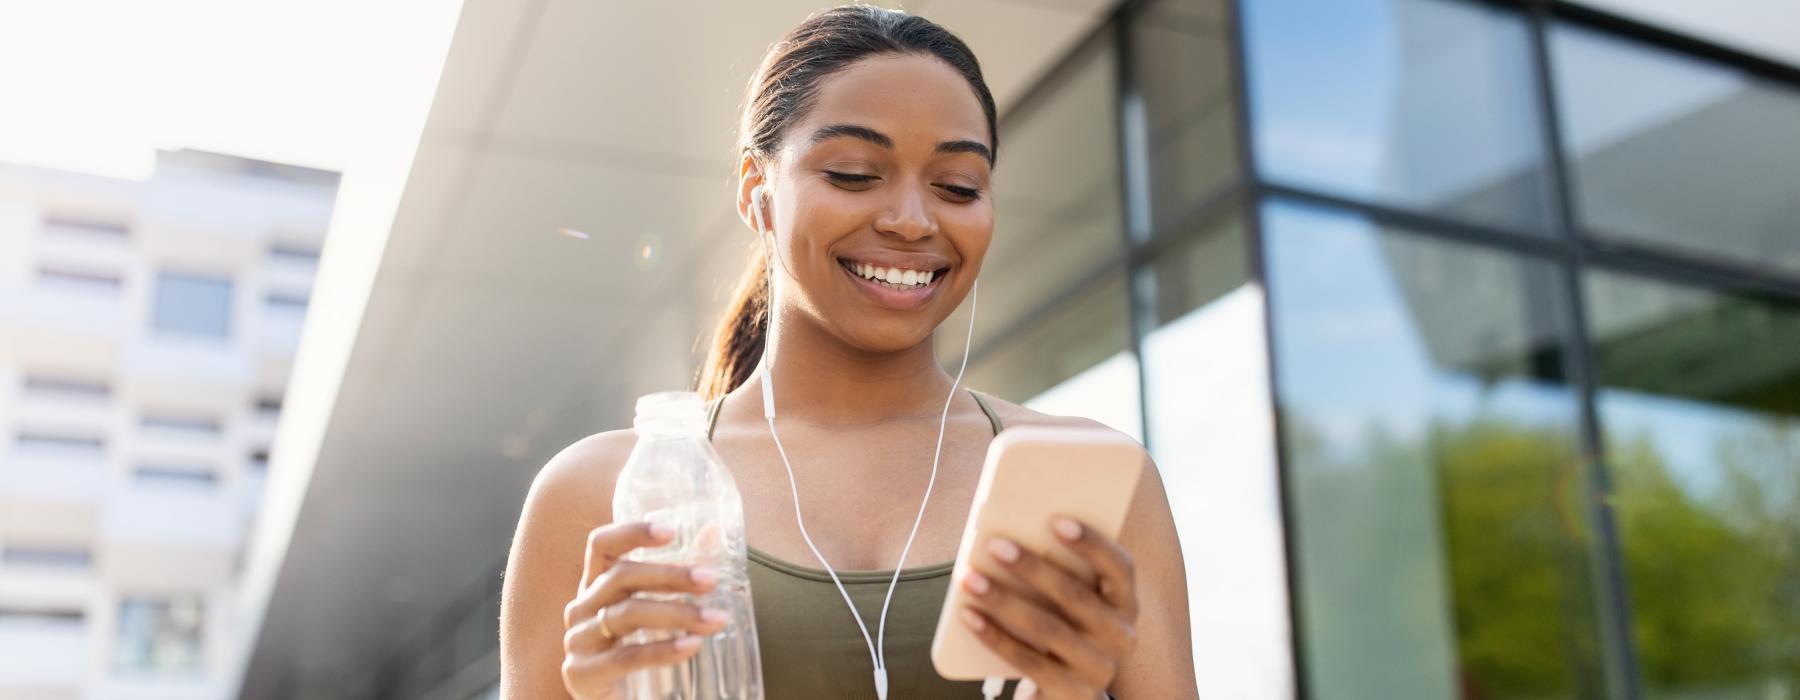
(756, 207)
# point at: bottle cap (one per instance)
(672, 413)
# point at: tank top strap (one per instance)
(993, 418)
(712, 413)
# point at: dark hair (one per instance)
(784, 88)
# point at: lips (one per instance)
(897, 297)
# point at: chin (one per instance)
(886, 337)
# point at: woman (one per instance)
(873, 135)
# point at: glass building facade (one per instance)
(1465, 334)
(1525, 283)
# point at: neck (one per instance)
(821, 380)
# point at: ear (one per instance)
(750, 174)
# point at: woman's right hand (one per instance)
(595, 655)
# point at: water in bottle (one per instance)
(675, 478)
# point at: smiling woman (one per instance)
(866, 158)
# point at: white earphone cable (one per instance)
(877, 644)
(881, 630)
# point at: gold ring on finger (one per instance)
(606, 631)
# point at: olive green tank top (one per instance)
(812, 649)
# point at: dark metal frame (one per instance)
(1618, 652)
(1571, 249)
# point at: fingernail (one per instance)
(973, 620)
(713, 615)
(1066, 528)
(1003, 549)
(976, 583)
(687, 642)
(705, 576)
(662, 532)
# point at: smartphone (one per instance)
(1032, 474)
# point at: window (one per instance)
(188, 426)
(268, 404)
(1184, 78)
(293, 253)
(79, 227)
(1211, 425)
(1699, 399)
(12, 617)
(47, 386)
(1055, 225)
(26, 556)
(1420, 104)
(286, 304)
(66, 279)
(1433, 465)
(192, 306)
(1074, 359)
(1673, 153)
(44, 445)
(179, 476)
(259, 460)
(160, 636)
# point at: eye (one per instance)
(851, 179)
(966, 194)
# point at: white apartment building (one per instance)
(147, 331)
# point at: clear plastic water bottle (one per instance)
(675, 478)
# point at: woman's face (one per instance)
(880, 201)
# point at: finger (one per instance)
(628, 578)
(632, 657)
(607, 543)
(636, 614)
(1118, 575)
(589, 636)
(1075, 601)
(1037, 627)
(1041, 669)
(589, 674)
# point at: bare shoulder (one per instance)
(570, 496)
(577, 483)
(1015, 415)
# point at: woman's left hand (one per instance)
(1069, 645)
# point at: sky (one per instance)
(98, 85)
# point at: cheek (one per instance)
(972, 235)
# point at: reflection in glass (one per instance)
(1053, 330)
(1212, 434)
(1073, 360)
(159, 636)
(1423, 104)
(190, 305)
(1183, 66)
(1433, 465)
(1057, 210)
(1679, 153)
(1700, 403)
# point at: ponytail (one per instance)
(737, 344)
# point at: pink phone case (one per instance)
(1031, 474)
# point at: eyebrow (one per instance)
(880, 139)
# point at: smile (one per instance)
(894, 287)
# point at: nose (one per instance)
(907, 216)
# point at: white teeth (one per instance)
(893, 275)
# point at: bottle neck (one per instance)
(669, 428)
